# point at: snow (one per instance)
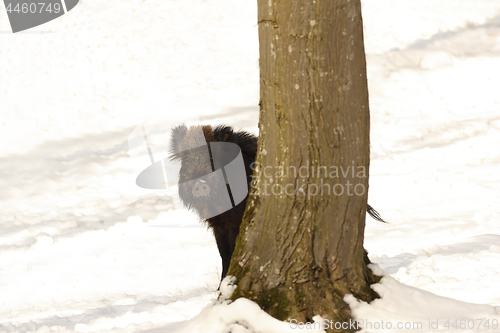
(82, 249)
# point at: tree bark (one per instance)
(300, 247)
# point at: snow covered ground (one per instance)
(82, 249)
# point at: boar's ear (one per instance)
(178, 135)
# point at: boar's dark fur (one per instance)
(194, 164)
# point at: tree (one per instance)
(300, 249)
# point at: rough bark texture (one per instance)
(298, 254)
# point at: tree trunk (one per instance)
(300, 247)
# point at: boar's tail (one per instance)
(374, 214)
